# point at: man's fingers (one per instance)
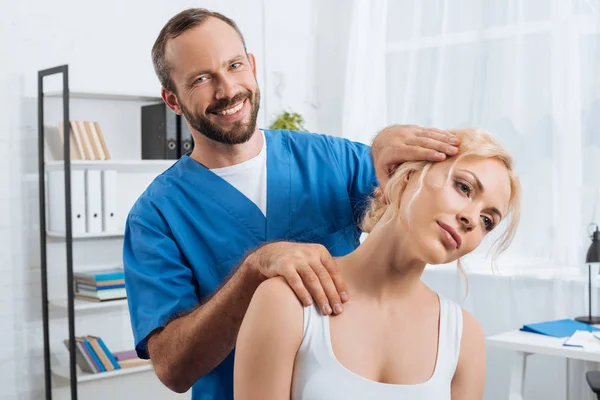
(425, 154)
(295, 282)
(332, 267)
(331, 292)
(313, 284)
(433, 144)
(438, 134)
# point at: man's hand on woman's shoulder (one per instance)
(309, 270)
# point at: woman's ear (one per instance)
(380, 196)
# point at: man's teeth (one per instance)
(231, 110)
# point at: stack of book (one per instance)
(129, 358)
(86, 140)
(100, 285)
(93, 356)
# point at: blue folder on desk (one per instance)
(559, 328)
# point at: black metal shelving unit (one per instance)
(64, 70)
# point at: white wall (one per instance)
(107, 46)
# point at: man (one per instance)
(246, 205)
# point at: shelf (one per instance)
(153, 166)
(83, 305)
(63, 235)
(105, 96)
(63, 372)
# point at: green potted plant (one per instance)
(289, 120)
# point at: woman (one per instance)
(396, 339)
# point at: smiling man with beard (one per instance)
(247, 204)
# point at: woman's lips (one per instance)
(452, 238)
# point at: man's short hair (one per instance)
(177, 25)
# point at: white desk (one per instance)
(525, 344)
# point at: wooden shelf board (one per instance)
(63, 372)
(105, 96)
(83, 305)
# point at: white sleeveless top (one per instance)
(319, 375)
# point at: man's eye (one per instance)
(201, 79)
(236, 65)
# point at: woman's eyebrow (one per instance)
(481, 189)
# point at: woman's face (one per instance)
(449, 217)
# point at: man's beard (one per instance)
(240, 132)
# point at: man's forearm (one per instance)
(191, 346)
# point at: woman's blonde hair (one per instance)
(473, 142)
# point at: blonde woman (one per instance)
(397, 339)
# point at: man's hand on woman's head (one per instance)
(308, 268)
(400, 143)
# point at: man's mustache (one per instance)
(223, 104)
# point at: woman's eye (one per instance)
(489, 224)
(463, 187)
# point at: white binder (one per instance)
(56, 202)
(109, 200)
(93, 200)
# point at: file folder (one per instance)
(56, 206)
(159, 132)
(558, 328)
(109, 200)
(93, 200)
(186, 142)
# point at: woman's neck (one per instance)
(382, 267)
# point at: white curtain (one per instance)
(364, 112)
(527, 70)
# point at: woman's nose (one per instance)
(466, 220)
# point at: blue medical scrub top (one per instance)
(190, 228)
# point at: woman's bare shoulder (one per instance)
(275, 307)
(277, 292)
(472, 329)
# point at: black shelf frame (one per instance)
(64, 70)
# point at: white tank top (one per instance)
(319, 375)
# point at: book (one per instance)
(133, 362)
(129, 358)
(93, 356)
(125, 355)
(583, 339)
(85, 286)
(102, 356)
(97, 276)
(558, 328)
(83, 357)
(107, 352)
(109, 294)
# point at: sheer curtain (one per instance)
(364, 110)
(525, 70)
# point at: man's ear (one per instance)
(170, 100)
(252, 61)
